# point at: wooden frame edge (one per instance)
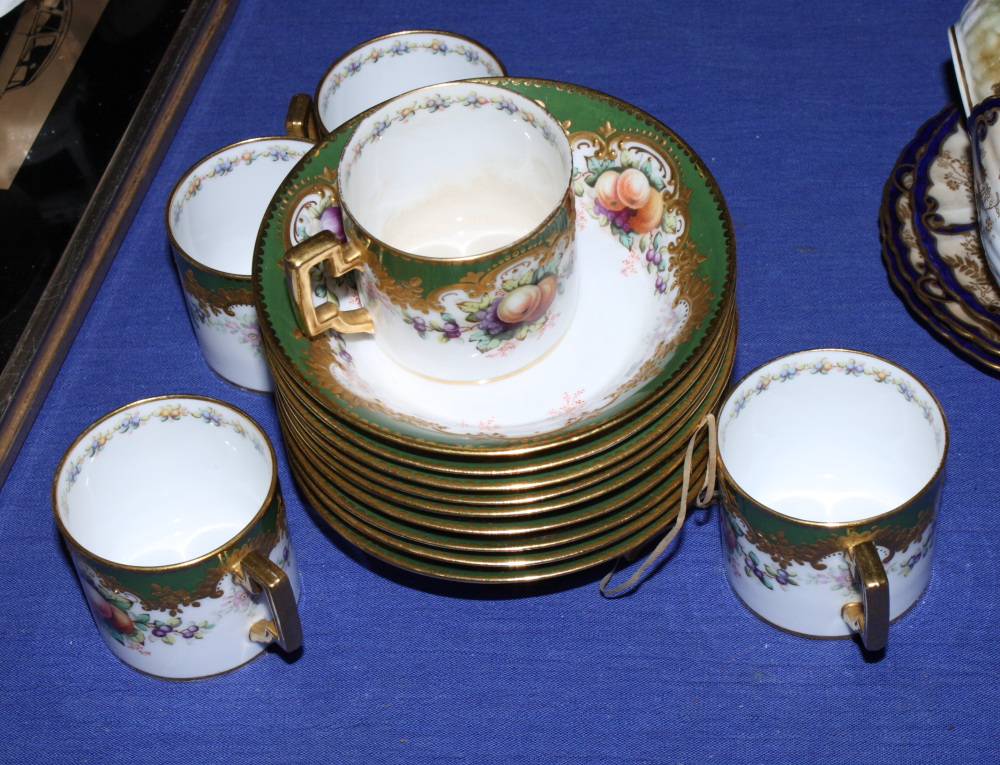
(45, 341)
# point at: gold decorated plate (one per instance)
(479, 575)
(500, 535)
(930, 239)
(674, 285)
(606, 454)
(598, 481)
(604, 499)
(490, 554)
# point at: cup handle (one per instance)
(256, 572)
(870, 617)
(300, 119)
(339, 258)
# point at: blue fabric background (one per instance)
(800, 110)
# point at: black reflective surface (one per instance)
(43, 206)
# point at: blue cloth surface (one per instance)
(800, 110)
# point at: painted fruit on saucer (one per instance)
(656, 258)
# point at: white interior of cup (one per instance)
(831, 436)
(216, 208)
(455, 170)
(383, 69)
(155, 491)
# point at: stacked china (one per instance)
(495, 410)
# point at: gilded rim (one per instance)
(561, 437)
(965, 331)
(191, 679)
(272, 489)
(646, 443)
(520, 506)
(187, 174)
(847, 524)
(610, 495)
(648, 426)
(647, 418)
(511, 498)
(319, 119)
(525, 531)
(722, 348)
(662, 505)
(940, 324)
(485, 576)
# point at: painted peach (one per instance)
(548, 286)
(519, 303)
(120, 621)
(633, 188)
(648, 216)
(605, 190)
(97, 601)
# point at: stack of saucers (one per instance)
(563, 466)
(931, 243)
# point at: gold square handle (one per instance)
(256, 573)
(870, 617)
(325, 250)
(300, 120)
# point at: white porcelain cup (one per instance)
(459, 221)
(171, 511)
(383, 68)
(212, 218)
(830, 468)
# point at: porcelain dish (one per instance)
(605, 454)
(676, 277)
(930, 241)
(495, 472)
(604, 493)
(564, 465)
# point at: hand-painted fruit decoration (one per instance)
(606, 190)
(632, 188)
(121, 621)
(548, 288)
(510, 309)
(634, 196)
(516, 306)
(648, 216)
(97, 602)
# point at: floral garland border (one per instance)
(133, 420)
(437, 103)
(401, 48)
(224, 166)
(851, 368)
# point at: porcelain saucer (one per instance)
(945, 219)
(344, 513)
(650, 303)
(511, 472)
(603, 497)
(526, 480)
(500, 534)
(910, 246)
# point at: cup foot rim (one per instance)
(821, 637)
(189, 679)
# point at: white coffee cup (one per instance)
(173, 516)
